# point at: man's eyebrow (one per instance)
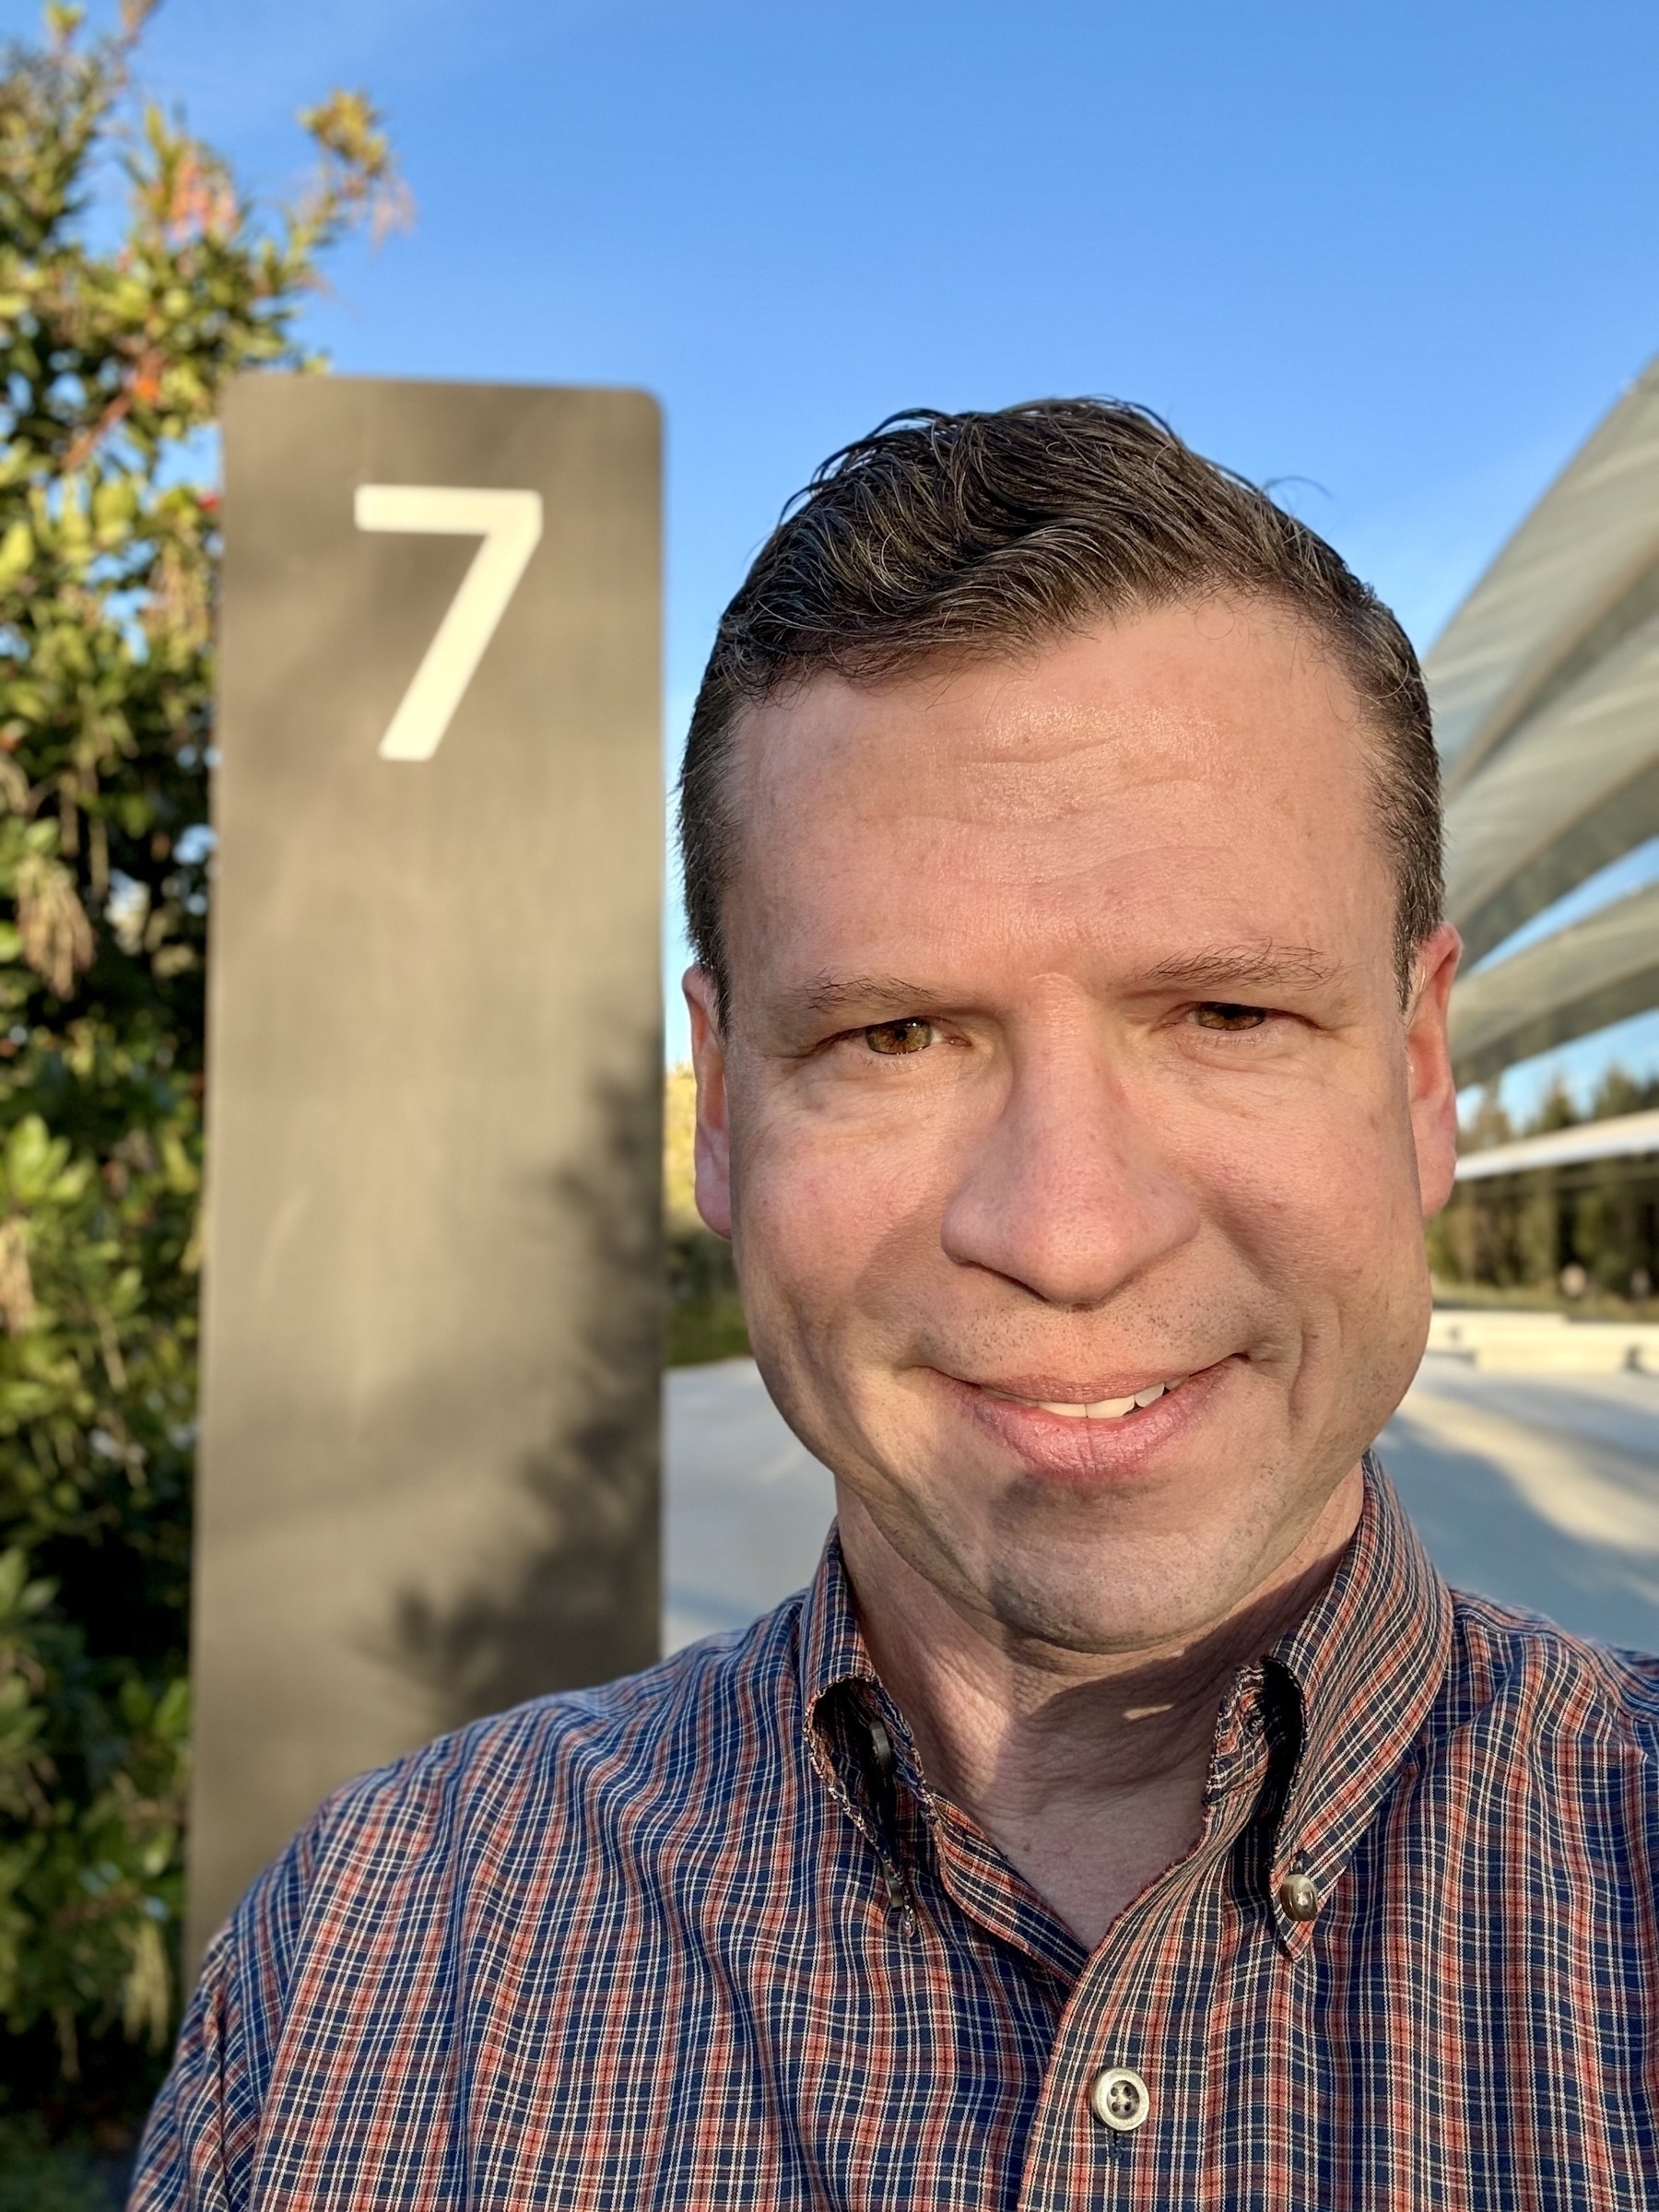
(1215, 968)
(831, 996)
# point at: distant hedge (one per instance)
(705, 1313)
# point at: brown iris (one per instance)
(1219, 1013)
(894, 1038)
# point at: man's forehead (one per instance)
(1172, 803)
(1194, 690)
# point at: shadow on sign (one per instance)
(579, 1605)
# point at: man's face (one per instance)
(1066, 1061)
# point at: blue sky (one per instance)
(1400, 259)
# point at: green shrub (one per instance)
(705, 1313)
(110, 365)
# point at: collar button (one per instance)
(1299, 1897)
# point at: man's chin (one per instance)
(1128, 1593)
(1038, 1566)
(1049, 1570)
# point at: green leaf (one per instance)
(16, 551)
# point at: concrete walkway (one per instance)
(1540, 1491)
(746, 1506)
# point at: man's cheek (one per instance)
(851, 1232)
(1324, 1174)
(803, 1209)
(1302, 1237)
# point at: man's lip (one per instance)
(1079, 1446)
(1050, 1389)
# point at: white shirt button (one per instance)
(1118, 2099)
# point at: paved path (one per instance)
(746, 1506)
(1541, 1492)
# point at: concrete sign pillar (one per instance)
(431, 1324)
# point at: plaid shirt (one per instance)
(693, 1940)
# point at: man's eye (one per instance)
(1220, 1014)
(894, 1038)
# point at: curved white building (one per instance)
(1546, 691)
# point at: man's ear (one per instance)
(1433, 1088)
(713, 1137)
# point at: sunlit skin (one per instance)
(1067, 1058)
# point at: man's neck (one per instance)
(1087, 1773)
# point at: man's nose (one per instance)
(1069, 1192)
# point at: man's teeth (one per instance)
(1104, 1409)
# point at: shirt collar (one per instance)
(1363, 1669)
(834, 1651)
(1355, 1682)
(854, 1736)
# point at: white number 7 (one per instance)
(509, 523)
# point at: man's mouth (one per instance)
(1095, 1409)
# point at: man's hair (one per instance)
(980, 535)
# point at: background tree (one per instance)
(1520, 1232)
(111, 364)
